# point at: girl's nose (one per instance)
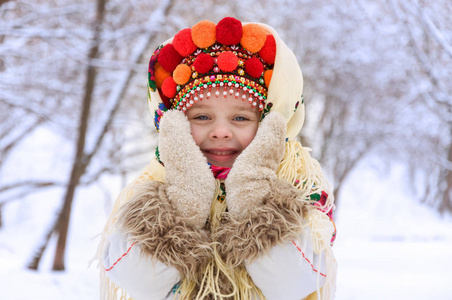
(220, 131)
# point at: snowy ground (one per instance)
(387, 248)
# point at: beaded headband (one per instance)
(227, 55)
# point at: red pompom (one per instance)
(183, 43)
(169, 87)
(203, 63)
(227, 61)
(268, 51)
(169, 58)
(165, 99)
(229, 31)
(254, 67)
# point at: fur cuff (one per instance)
(150, 219)
(279, 219)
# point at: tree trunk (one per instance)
(36, 259)
(80, 163)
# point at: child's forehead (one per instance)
(222, 104)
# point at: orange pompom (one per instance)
(227, 61)
(203, 34)
(182, 74)
(160, 75)
(253, 38)
(169, 87)
(267, 77)
(183, 43)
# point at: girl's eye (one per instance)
(202, 117)
(241, 118)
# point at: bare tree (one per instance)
(430, 43)
(85, 153)
(80, 160)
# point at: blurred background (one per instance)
(75, 129)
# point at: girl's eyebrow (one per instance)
(198, 105)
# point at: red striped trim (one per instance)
(122, 256)
(306, 259)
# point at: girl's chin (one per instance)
(221, 164)
(225, 161)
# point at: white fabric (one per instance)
(138, 274)
(284, 273)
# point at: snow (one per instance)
(388, 246)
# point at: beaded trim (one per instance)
(194, 91)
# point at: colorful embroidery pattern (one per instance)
(320, 203)
(151, 69)
(158, 115)
(267, 110)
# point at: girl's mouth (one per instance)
(220, 157)
(226, 152)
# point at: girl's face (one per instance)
(223, 128)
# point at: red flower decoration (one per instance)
(229, 31)
(183, 43)
(169, 58)
(254, 67)
(203, 63)
(322, 202)
(169, 87)
(268, 51)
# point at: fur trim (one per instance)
(151, 220)
(279, 219)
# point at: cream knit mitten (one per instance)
(190, 182)
(249, 179)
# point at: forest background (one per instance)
(75, 129)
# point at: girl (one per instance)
(232, 206)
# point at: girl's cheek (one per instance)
(196, 134)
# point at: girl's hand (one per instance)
(249, 179)
(191, 184)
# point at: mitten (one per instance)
(249, 180)
(190, 182)
(263, 210)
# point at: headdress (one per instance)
(220, 59)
